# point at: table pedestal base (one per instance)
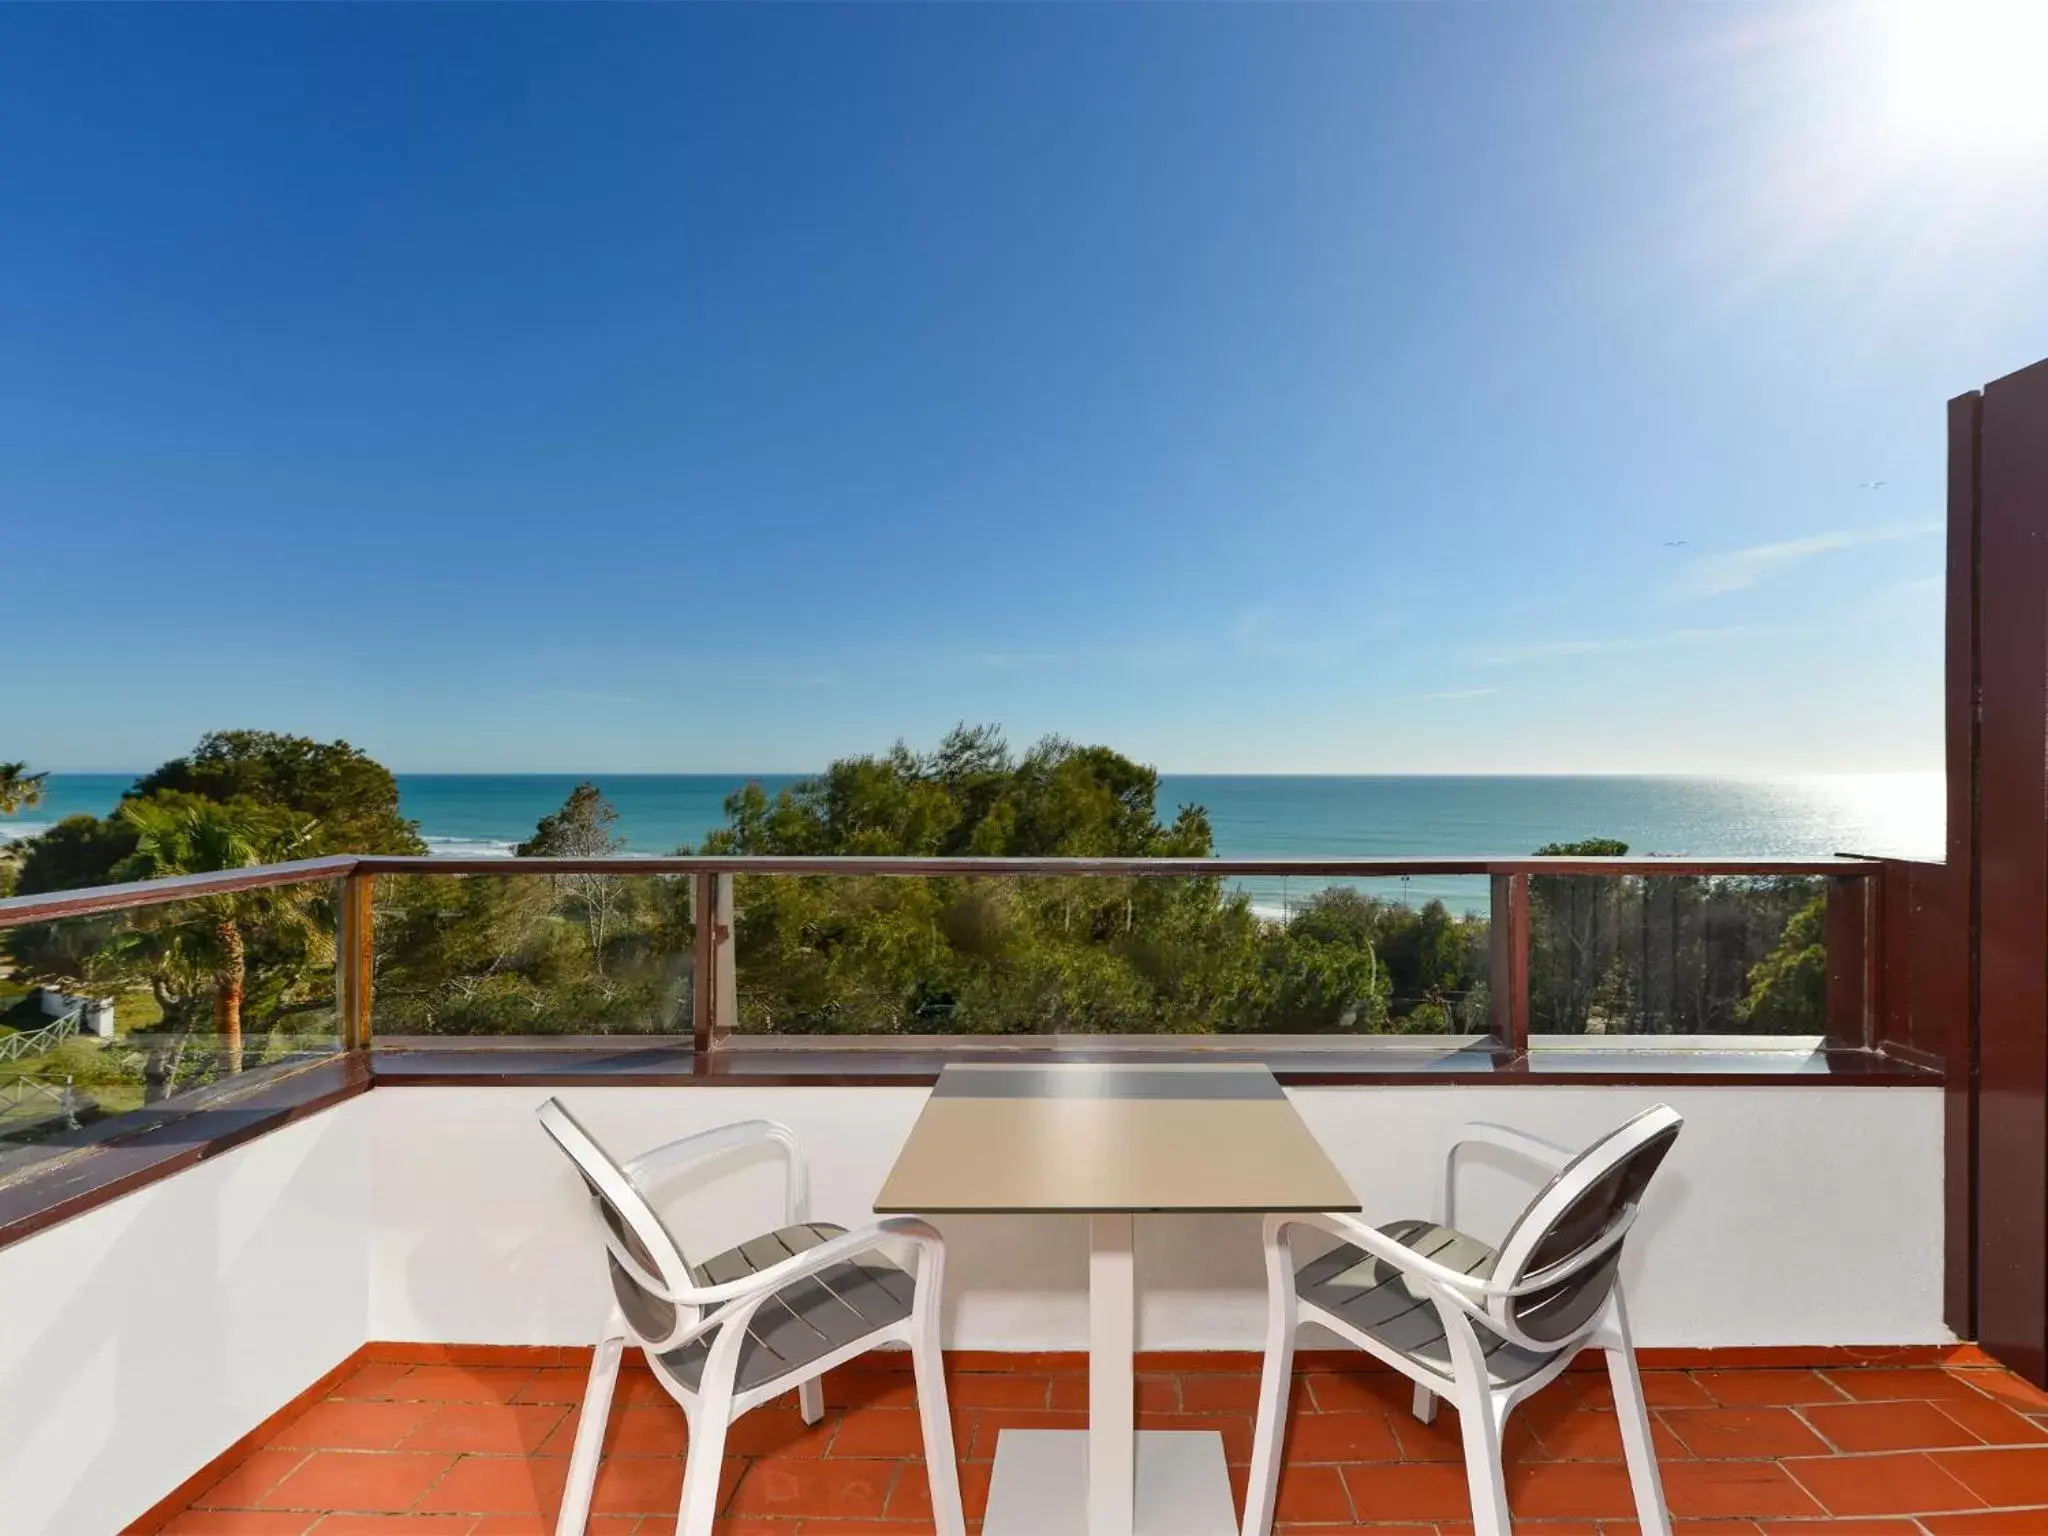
(1041, 1484)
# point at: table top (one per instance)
(1103, 1137)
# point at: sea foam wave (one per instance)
(468, 847)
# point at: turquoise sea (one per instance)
(1900, 814)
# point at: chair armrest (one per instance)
(1468, 1291)
(670, 1158)
(1534, 1149)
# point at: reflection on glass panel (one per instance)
(850, 955)
(532, 955)
(103, 1018)
(1678, 955)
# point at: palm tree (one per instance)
(19, 789)
(204, 837)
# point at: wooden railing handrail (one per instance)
(90, 900)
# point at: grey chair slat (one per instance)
(807, 1318)
(1377, 1299)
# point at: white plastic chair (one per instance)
(752, 1323)
(1484, 1327)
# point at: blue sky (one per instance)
(1251, 388)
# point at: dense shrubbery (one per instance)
(591, 954)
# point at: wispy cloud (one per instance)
(1456, 693)
(1550, 650)
(1736, 569)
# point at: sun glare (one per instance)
(1969, 70)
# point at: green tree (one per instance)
(20, 790)
(1788, 988)
(190, 837)
(1575, 923)
(350, 797)
(582, 829)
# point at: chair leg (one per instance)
(1480, 1422)
(810, 1399)
(705, 1461)
(928, 1361)
(1276, 1385)
(1425, 1404)
(1634, 1413)
(597, 1407)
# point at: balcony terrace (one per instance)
(322, 1271)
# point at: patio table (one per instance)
(1110, 1142)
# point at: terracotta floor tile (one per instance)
(1219, 1393)
(1325, 1437)
(1758, 1389)
(656, 1430)
(1719, 1434)
(895, 1433)
(975, 1390)
(460, 1384)
(1744, 1451)
(372, 1380)
(1857, 1427)
(2000, 1476)
(1581, 1434)
(1908, 1384)
(2003, 1522)
(1407, 1491)
(649, 1485)
(802, 1488)
(370, 1481)
(554, 1384)
(911, 1497)
(1739, 1489)
(989, 1423)
(2007, 1388)
(1661, 1389)
(1359, 1391)
(500, 1485)
(1899, 1483)
(343, 1425)
(1569, 1490)
(251, 1478)
(770, 1431)
(506, 1429)
(1993, 1422)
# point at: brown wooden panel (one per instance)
(2012, 861)
(1508, 961)
(1959, 896)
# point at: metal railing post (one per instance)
(353, 957)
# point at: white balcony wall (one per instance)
(1786, 1215)
(141, 1339)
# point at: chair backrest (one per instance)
(1574, 1229)
(647, 1264)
